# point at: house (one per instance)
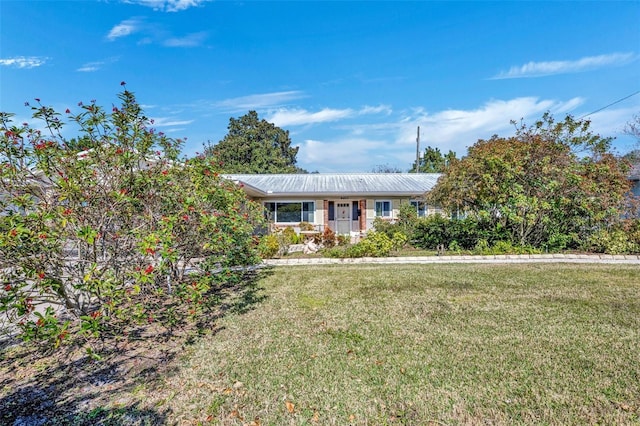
(634, 177)
(345, 202)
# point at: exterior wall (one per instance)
(371, 209)
(366, 206)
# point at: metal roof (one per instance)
(337, 184)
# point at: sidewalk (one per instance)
(505, 258)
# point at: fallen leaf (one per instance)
(290, 406)
(316, 417)
(235, 414)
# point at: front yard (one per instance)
(385, 344)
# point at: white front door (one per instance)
(343, 218)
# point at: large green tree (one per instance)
(550, 184)
(255, 146)
(433, 161)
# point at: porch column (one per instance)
(363, 215)
(325, 218)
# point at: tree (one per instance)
(385, 168)
(633, 127)
(433, 161)
(550, 184)
(94, 242)
(255, 146)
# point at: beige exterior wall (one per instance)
(320, 213)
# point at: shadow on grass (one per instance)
(69, 388)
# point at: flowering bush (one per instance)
(95, 240)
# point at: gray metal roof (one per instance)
(337, 184)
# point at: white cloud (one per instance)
(168, 5)
(393, 142)
(257, 101)
(296, 117)
(96, 65)
(459, 129)
(380, 109)
(124, 28)
(612, 121)
(90, 67)
(342, 155)
(540, 69)
(24, 61)
(190, 40)
(169, 122)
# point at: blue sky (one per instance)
(351, 81)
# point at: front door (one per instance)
(343, 218)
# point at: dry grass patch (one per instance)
(408, 344)
(415, 345)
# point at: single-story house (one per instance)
(634, 177)
(345, 202)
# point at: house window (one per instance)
(291, 212)
(383, 208)
(421, 207)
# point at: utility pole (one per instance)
(418, 151)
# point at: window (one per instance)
(421, 207)
(383, 208)
(291, 212)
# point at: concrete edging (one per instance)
(502, 258)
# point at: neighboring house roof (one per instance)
(634, 173)
(337, 184)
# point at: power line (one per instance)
(611, 104)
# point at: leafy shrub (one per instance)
(343, 240)
(399, 240)
(375, 244)
(108, 237)
(454, 247)
(328, 237)
(559, 241)
(405, 225)
(306, 226)
(436, 230)
(289, 236)
(611, 242)
(268, 246)
(283, 238)
(432, 231)
(502, 247)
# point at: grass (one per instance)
(414, 345)
(445, 344)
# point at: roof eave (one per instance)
(343, 194)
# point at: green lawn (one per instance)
(396, 344)
(409, 344)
